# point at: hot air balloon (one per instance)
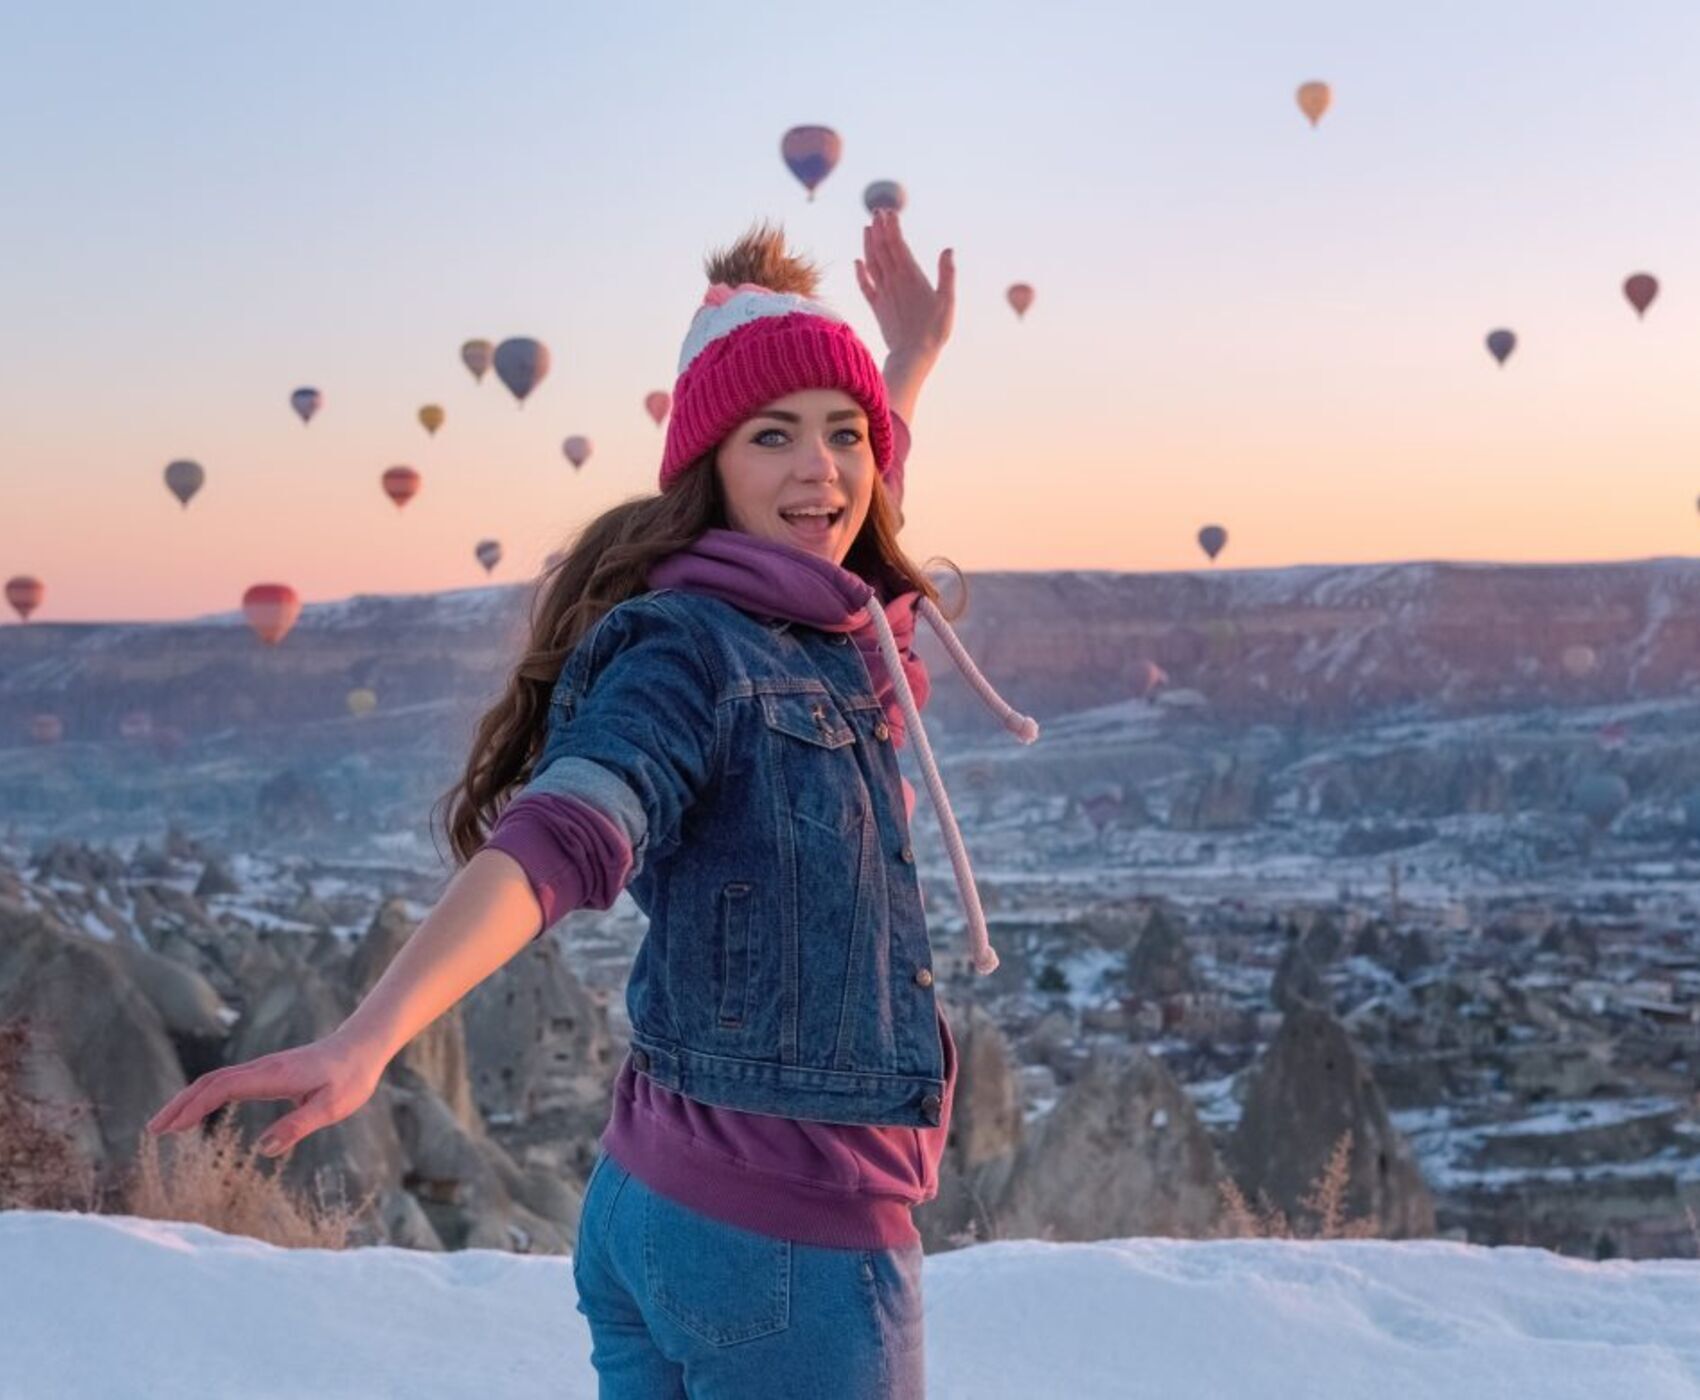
(811, 152)
(577, 449)
(1020, 296)
(1600, 797)
(885, 194)
(1579, 659)
(521, 364)
(401, 484)
(183, 479)
(1500, 344)
(306, 402)
(1148, 677)
(432, 417)
(271, 609)
(1211, 539)
(489, 554)
(657, 403)
(1641, 288)
(135, 724)
(361, 701)
(25, 593)
(475, 355)
(46, 728)
(1313, 99)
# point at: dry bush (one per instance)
(41, 1167)
(210, 1178)
(1326, 1200)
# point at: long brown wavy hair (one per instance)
(608, 560)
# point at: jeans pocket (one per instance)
(720, 1283)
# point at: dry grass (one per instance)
(41, 1167)
(208, 1178)
(211, 1178)
(1326, 1202)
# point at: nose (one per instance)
(818, 462)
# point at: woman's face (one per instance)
(807, 450)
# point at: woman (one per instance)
(708, 712)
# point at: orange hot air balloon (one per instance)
(25, 593)
(489, 554)
(401, 485)
(1020, 297)
(46, 728)
(1579, 660)
(578, 449)
(361, 701)
(1641, 288)
(658, 403)
(1313, 99)
(271, 609)
(432, 417)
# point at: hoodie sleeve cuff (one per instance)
(573, 856)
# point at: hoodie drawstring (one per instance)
(981, 954)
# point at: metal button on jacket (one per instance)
(907, 856)
(930, 1107)
(640, 1060)
(924, 978)
(882, 730)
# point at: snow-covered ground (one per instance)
(109, 1307)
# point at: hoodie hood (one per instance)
(768, 578)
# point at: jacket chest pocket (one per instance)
(809, 739)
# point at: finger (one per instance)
(292, 1127)
(865, 282)
(211, 1092)
(947, 274)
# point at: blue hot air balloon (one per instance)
(885, 194)
(521, 363)
(1500, 344)
(1211, 539)
(811, 152)
(306, 402)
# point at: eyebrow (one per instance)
(833, 417)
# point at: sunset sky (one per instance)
(1239, 319)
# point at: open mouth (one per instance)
(813, 525)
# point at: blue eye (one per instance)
(855, 436)
(768, 432)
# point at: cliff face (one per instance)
(1335, 642)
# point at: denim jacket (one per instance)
(786, 968)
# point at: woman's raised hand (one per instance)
(914, 317)
(326, 1080)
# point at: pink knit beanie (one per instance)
(748, 346)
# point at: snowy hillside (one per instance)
(114, 1307)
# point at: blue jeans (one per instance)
(683, 1307)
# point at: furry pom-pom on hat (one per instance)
(758, 336)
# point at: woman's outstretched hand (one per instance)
(326, 1081)
(914, 317)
